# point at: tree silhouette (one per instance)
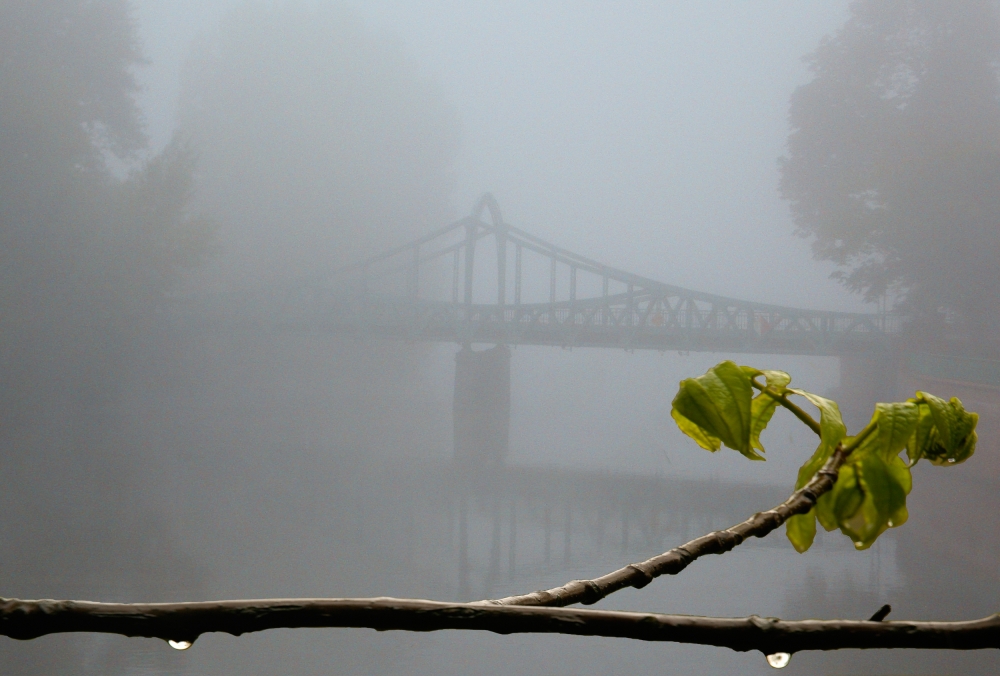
(893, 165)
(86, 255)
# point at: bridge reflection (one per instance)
(478, 529)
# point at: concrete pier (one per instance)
(482, 406)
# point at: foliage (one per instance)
(893, 165)
(66, 70)
(869, 496)
(86, 256)
(83, 254)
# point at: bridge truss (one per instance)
(531, 292)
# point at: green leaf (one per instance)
(840, 501)
(763, 405)
(902, 482)
(870, 497)
(896, 424)
(832, 432)
(813, 464)
(831, 423)
(715, 407)
(952, 440)
(870, 493)
(801, 531)
(845, 499)
(703, 438)
(921, 438)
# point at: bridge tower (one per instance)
(481, 413)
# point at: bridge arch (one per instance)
(499, 229)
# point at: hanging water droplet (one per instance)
(180, 645)
(779, 660)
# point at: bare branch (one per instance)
(187, 621)
(638, 575)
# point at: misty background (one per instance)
(150, 459)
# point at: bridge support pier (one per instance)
(482, 406)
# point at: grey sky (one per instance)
(643, 134)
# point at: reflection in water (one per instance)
(520, 525)
(426, 529)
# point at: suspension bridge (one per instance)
(526, 291)
(482, 281)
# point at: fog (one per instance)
(168, 435)
(645, 137)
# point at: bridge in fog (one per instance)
(526, 291)
(510, 528)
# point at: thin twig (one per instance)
(188, 621)
(783, 400)
(881, 613)
(638, 575)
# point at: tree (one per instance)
(69, 85)
(85, 259)
(855, 483)
(79, 249)
(893, 165)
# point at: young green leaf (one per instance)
(920, 440)
(813, 464)
(896, 424)
(796, 531)
(715, 407)
(870, 497)
(831, 423)
(952, 440)
(801, 530)
(845, 499)
(902, 482)
(832, 432)
(763, 405)
(702, 437)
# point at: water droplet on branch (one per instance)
(184, 645)
(779, 660)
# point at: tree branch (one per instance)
(638, 575)
(187, 621)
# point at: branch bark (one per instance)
(187, 621)
(638, 575)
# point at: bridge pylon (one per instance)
(481, 412)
